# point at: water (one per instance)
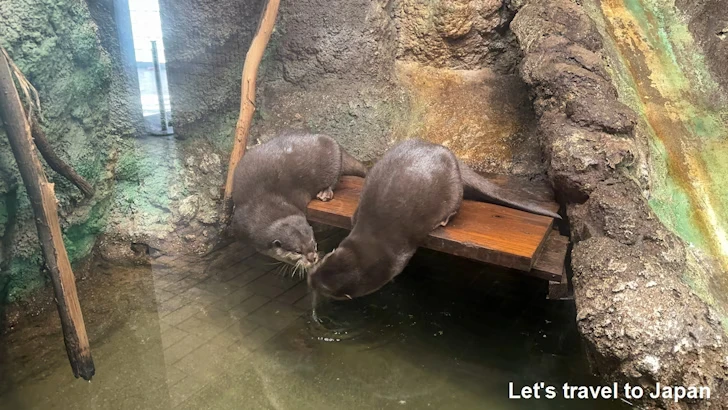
(229, 332)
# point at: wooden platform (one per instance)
(481, 231)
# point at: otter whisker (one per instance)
(280, 270)
(285, 269)
(299, 269)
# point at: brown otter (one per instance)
(273, 184)
(415, 187)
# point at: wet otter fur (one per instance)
(272, 186)
(415, 187)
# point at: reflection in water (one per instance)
(228, 332)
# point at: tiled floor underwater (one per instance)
(213, 315)
(230, 331)
(209, 323)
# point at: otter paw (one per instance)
(445, 222)
(325, 195)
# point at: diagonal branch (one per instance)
(56, 163)
(43, 201)
(247, 97)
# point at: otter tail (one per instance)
(351, 166)
(482, 189)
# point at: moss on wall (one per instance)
(56, 44)
(661, 72)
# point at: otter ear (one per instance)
(277, 243)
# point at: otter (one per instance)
(416, 187)
(272, 186)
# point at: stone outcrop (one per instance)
(642, 324)
(460, 34)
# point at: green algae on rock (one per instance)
(55, 44)
(641, 322)
(663, 75)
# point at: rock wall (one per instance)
(166, 200)
(113, 21)
(205, 46)
(58, 46)
(708, 22)
(641, 322)
(325, 69)
(366, 72)
(332, 71)
(461, 34)
(684, 116)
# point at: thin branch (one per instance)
(247, 97)
(57, 164)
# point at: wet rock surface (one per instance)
(641, 322)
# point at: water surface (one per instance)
(230, 332)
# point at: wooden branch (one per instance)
(247, 97)
(55, 162)
(43, 201)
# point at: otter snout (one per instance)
(312, 257)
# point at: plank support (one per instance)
(559, 290)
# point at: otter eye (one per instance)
(277, 243)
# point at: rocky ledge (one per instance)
(641, 323)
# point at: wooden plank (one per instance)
(481, 231)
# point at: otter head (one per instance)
(339, 276)
(289, 240)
